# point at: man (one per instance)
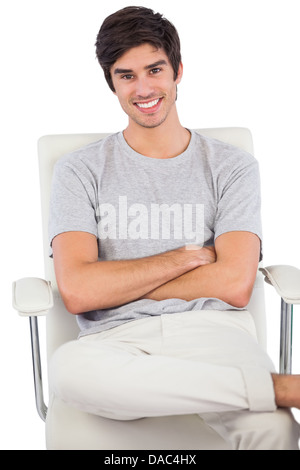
(156, 239)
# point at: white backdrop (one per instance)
(241, 68)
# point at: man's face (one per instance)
(144, 82)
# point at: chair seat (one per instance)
(71, 429)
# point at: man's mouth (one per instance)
(148, 106)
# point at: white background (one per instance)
(241, 63)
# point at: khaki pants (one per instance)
(203, 362)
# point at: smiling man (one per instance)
(156, 237)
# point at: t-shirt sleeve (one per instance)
(239, 204)
(72, 202)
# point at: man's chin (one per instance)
(149, 123)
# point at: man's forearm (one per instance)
(211, 281)
(230, 278)
(129, 280)
(113, 283)
(97, 285)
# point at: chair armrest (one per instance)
(285, 280)
(32, 296)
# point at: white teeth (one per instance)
(148, 105)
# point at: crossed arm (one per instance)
(226, 272)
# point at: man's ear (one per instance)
(179, 74)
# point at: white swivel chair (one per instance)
(68, 428)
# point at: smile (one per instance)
(148, 105)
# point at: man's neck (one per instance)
(165, 141)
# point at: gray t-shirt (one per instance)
(139, 206)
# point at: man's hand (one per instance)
(207, 254)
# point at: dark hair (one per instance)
(132, 27)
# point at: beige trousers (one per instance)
(203, 362)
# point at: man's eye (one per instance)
(156, 70)
(127, 77)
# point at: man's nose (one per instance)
(144, 88)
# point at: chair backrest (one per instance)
(61, 326)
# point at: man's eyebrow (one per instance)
(147, 67)
(117, 71)
(156, 64)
